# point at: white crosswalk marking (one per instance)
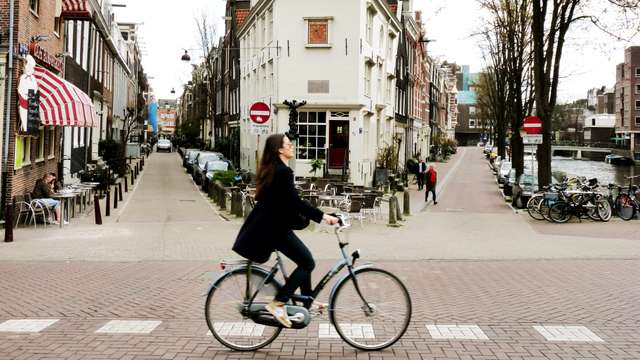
(129, 327)
(356, 331)
(26, 325)
(458, 332)
(567, 333)
(238, 329)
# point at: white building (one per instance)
(339, 56)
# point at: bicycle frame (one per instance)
(308, 300)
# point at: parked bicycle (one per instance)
(581, 204)
(627, 203)
(369, 308)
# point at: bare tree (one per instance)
(207, 40)
(551, 21)
(507, 81)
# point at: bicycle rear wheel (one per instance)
(533, 207)
(604, 209)
(625, 207)
(223, 306)
(378, 325)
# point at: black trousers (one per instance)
(297, 251)
(430, 190)
(420, 181)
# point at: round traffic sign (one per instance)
(259, 113)
(532, 125)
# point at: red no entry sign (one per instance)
(259, 113)
(532, 125)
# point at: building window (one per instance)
(40, 153)
(34, 5)
(367, 80)
(369, 34)
(637, 104)
(472, 110)
(312, 127)
(57, 26)
(318, 32)
(388, 89)
(637, 88)
(638, 72)
(637, 120)
(472, 123)
(52, 141)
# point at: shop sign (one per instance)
(45, 58)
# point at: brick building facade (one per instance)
(30, 157)
(627, 100)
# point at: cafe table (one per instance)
(63, 197)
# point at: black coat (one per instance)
(273, 217)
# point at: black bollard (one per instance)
(107, 212)
(96, 206)
(223, 199)
(133, 177)
(142, 161)
(137, 171)
(398, 211)
(115, 198)
(8, 223)
(406, 204)
(392, 212)
(120, 190)
(126, 184)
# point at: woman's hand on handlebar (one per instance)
(331, 220)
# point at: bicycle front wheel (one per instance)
(559, 212)
(380, 319)
(223, 311)
(533, 207)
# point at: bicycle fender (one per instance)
(346, 276)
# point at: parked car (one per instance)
(210, 168)
(487, 148)
(191, 160)
(507, 189)
(201, 161)
(185, 156)
(503, 172)
(164, 145)
(524, 188)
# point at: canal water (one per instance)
(605, 173)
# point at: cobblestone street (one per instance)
(485, 283)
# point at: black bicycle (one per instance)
(369, 308)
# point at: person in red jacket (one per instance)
(431, 180)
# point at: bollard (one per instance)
(126, 184)
(8, 223)
(223, 199)
(392, 211)
(120, 190)
(142, 161)
(137, 172)
(96, 207)
(115, 197)
(406, 204)
(398, 211)
(131, 175)
(238, 204)
(107, 212)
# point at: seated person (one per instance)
(42, 192)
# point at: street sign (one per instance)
(532, 139)
(532, 125)
(259, 113)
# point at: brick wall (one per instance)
(28, 24)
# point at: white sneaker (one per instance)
(279, 312)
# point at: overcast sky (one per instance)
(168, 26)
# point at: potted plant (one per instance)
(316, 165)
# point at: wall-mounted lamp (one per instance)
(40, 37)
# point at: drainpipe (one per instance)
(8, 235)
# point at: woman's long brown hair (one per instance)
(270, 158)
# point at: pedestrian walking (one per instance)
(422, 169)
(431, 178)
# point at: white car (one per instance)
(164, 145)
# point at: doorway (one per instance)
(338, 144)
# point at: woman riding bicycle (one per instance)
(270, 225)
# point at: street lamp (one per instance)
(173, 91)
(185, 56)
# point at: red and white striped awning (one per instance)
(62, 103)
(76, 9)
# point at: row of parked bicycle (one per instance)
(584, 199)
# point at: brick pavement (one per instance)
(505, 299)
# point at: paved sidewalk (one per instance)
(506, 300)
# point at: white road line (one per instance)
(26, 325)
(456, 332)
(129, 327)
(567, 333)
